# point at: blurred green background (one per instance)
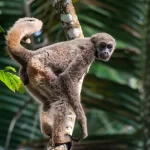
(115, 94)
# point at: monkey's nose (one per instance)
(104, 55)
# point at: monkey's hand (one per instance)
(71, 91)
(79, 139)
(68, 80)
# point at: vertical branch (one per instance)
(68, 18)
(27, 4)
(13, 123)
(72, 29)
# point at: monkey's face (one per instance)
(104, 46)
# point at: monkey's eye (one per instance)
(103, 45)
(109, 46)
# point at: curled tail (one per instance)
(22, 29)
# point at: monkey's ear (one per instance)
(93, 38)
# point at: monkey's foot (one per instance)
(67, 146)
(60, 142)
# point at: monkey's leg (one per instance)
(46, 123)
(40, 76)
(60, 117)
(23, 75)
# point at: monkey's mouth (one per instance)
(104, 56)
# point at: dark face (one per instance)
(104, 45)
(104, 50)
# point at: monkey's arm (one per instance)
(70, 89)
(77, 68)
(69, 79)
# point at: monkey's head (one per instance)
(104, 45)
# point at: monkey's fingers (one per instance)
(74, 139)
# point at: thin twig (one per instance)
(13, 122)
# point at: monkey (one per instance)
(54, 74)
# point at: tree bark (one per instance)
(68, 17)
(72, 29)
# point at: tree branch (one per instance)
(72, 29)
(68, 18)
(13, 122)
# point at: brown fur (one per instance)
(56, 73)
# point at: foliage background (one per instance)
(113, 93)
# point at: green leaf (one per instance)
(9, 68)
(1, 29)
(12, 81)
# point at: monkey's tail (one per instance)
(22, 29)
